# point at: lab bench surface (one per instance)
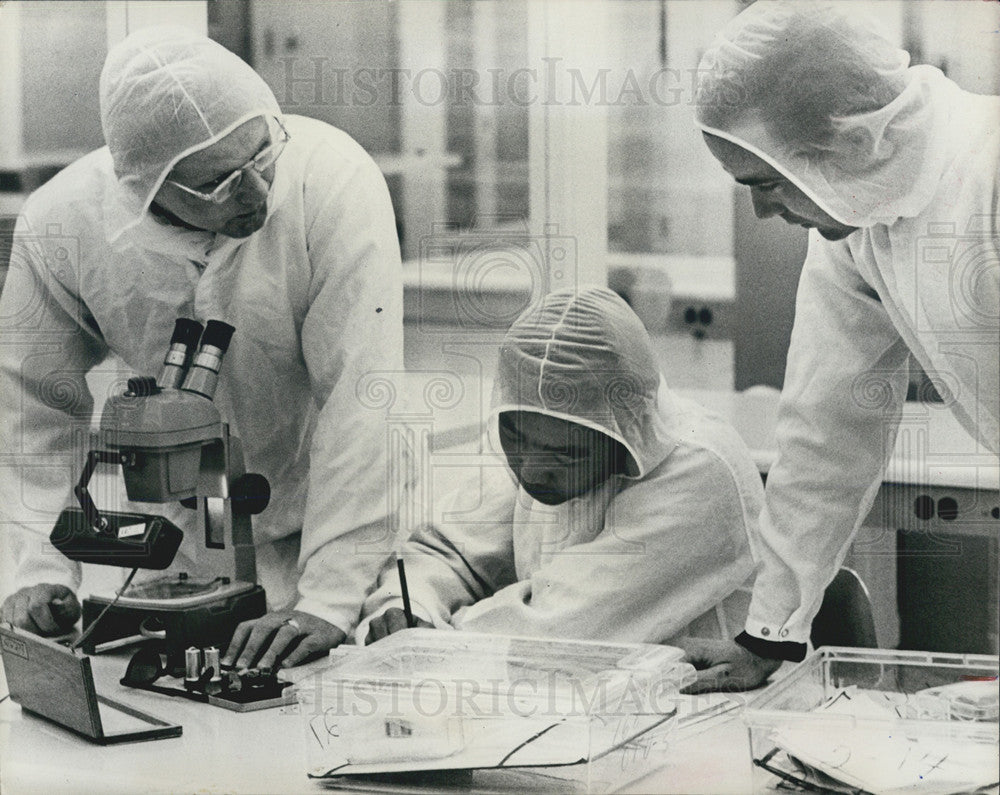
(265, 752)
(219, 751)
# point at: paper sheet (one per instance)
(880, 755)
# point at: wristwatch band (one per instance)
(774, 650)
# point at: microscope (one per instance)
(172, 445)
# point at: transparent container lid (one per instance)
(588, 674)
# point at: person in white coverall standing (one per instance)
(618, 511)
(894, 169)
(208, 203)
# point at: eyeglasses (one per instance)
(225, 186)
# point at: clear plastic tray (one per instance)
(878, 721)
(423, 700)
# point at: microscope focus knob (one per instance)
(141, 386)
(250, 493)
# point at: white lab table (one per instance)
(265, 752)
(219, 751)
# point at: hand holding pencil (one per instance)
(394, 619)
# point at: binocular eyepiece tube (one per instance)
(183, 343)
(195, 372)
(203, 375)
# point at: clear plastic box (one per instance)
(435, 709)
(878, 721)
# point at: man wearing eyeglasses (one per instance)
(243, 190)
(208, 203)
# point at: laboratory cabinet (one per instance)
(946, 565)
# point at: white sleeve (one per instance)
(464, 556)
(672, 548)
(844, 389)
(353, 327)
(48, 343)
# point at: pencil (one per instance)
(407, 610)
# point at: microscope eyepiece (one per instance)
(183, 343)
(217, 334)
(203, 375)
(186, 332)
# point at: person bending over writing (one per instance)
(618, 511)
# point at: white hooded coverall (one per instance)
(315, 296)
(655, 553)
(912, 160)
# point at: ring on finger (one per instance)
(291, 622)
